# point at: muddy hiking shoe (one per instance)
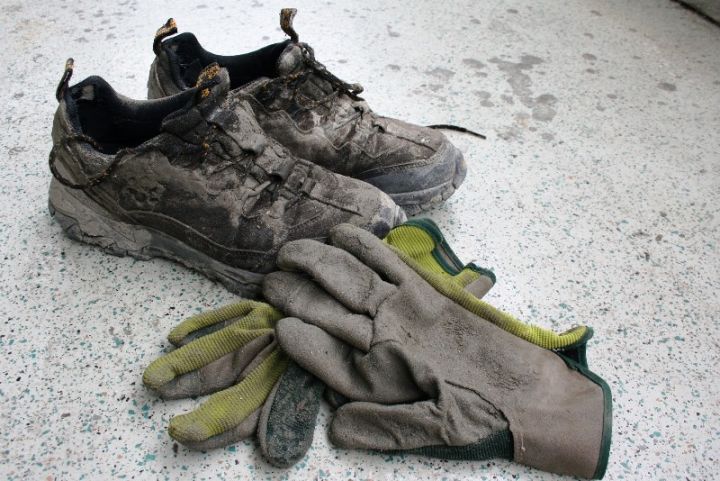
(193, 178)
(318, 116)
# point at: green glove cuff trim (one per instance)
(228, 408)
(578, 351)
(443, 253)
(447, 259)
(499, 445)
(482, 271)
(604, 455)
(541, 337)
(422, 240)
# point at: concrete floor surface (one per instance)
(596, 200)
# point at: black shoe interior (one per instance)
(116, 122)
(188, 58)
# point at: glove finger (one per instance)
(288, 417)
(233, 435)
(226, 410)
(335, 399)
(298, 296)
(346, 278)
(253, 315)
(349, 371)
(371, 251)
(201, 353)
(217, 375)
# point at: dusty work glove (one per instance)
(231, 352)
(422, 240)
(430, 368)
(288, 417)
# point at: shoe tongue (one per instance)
(291, 60)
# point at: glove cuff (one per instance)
(567, 428)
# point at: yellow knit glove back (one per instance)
(421, 244)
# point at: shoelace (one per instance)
(351, 90)
(339, 86)
(456, 128)
(287, 16)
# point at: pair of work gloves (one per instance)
(412, 358)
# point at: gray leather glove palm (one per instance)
(426, 364)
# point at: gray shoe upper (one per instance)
(198, 167)
(317, 116)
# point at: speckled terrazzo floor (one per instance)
(596, 199)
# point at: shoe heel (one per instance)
(84, 220)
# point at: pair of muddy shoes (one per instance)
(234, 157)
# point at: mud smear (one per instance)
(473, 63)
(476, 65)
(484, 98)
(544, 109)
(441, 73)
(543, 106)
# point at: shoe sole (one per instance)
(84, 220)
(415, 202)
